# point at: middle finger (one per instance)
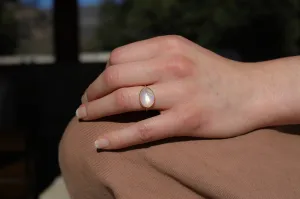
(124, 75)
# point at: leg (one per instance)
(263, 164)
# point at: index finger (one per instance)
(142, 50)
(152, 129)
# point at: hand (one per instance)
(197, 92)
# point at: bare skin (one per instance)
(198, 93)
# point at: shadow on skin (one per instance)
(289, 129)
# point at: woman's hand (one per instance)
(197, 92)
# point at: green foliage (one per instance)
(211, 23)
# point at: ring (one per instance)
(147, 98)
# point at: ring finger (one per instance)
(130, 99)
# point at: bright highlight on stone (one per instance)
(147, 97)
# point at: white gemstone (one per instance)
(147, 97)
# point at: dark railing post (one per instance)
(65, 27)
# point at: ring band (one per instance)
(147, 98)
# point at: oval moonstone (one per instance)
(147, 97)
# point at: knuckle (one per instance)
(190, 118)
(116, 140)
(175, 38)
(111, 76)
(187, 118)
(115, 56)
(122, 99)
(174, 42)
(144, 132)
(180, 66)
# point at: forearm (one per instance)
(279, 91)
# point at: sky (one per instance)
(48, 3)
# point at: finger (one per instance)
(127, 100)
(137, 51)
(84, 98)
(147, 49)
(124, 75)
(152, 129)
(107, 64)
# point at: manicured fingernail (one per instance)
(81, 112)
(84, 98)
(101, 143)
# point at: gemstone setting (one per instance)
(147, 98)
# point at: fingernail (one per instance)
(101, 143)
(84, 98)
(81, 112)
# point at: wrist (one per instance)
(277, 91)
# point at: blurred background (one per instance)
(51, 50)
